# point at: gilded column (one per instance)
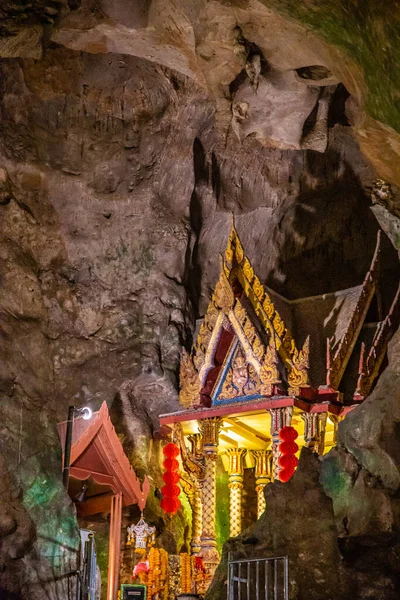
(322, 418)
(280, 417)
(209, 429)
(263, 473)
(235, 489)
(335, 421)
(311, 431)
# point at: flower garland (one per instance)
(157, 578)
(164, 574)
(153, 579)
(186, 576)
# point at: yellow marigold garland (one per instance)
(164, 574)
(157, 579)
(186, 576)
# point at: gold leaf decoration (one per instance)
(268, 306)
(279, 325)
(298, 375)
(288, 343)
(240, 313)
(190, 385)
(248, 329)
(239, 254)
(258, 289)
(248, 270)
(269, 373)
(258, 348)
(228, 390)
(223, 294)
(229, 252)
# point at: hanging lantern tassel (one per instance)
(287, 450)
(171, 490)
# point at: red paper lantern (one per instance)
(288, 461)
(170, 490)
(288, 434)
(171, 477)
(171, 464)
(285, 475)
(171, 450)
(287, 450)
(288, 447)
(170, 505)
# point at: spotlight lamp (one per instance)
(85, 412)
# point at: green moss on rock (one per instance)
(369, 33)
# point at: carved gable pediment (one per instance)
(228, 327)
(240, 380)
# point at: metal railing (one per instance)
(258, 579)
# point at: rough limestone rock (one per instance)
(130, 134)
(299, 523)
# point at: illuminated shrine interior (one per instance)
(199, 300)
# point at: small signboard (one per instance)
(132, 591)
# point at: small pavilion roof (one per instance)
(302, 345)
(320, 317)
(97, 454)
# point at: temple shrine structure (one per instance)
(260, 362)
(103, 481)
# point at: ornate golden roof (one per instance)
(269, 348)
(223, 305)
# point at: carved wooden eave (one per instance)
(338, 360)
(255, 406)
(370, 363)
(97, 454)
(225, 307)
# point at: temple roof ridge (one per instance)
(325, 295)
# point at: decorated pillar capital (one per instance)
(263, 475)
(311, 433)
(236, 456)
(280, 417)
(263, 467)
(209, 429)
(235, 485)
